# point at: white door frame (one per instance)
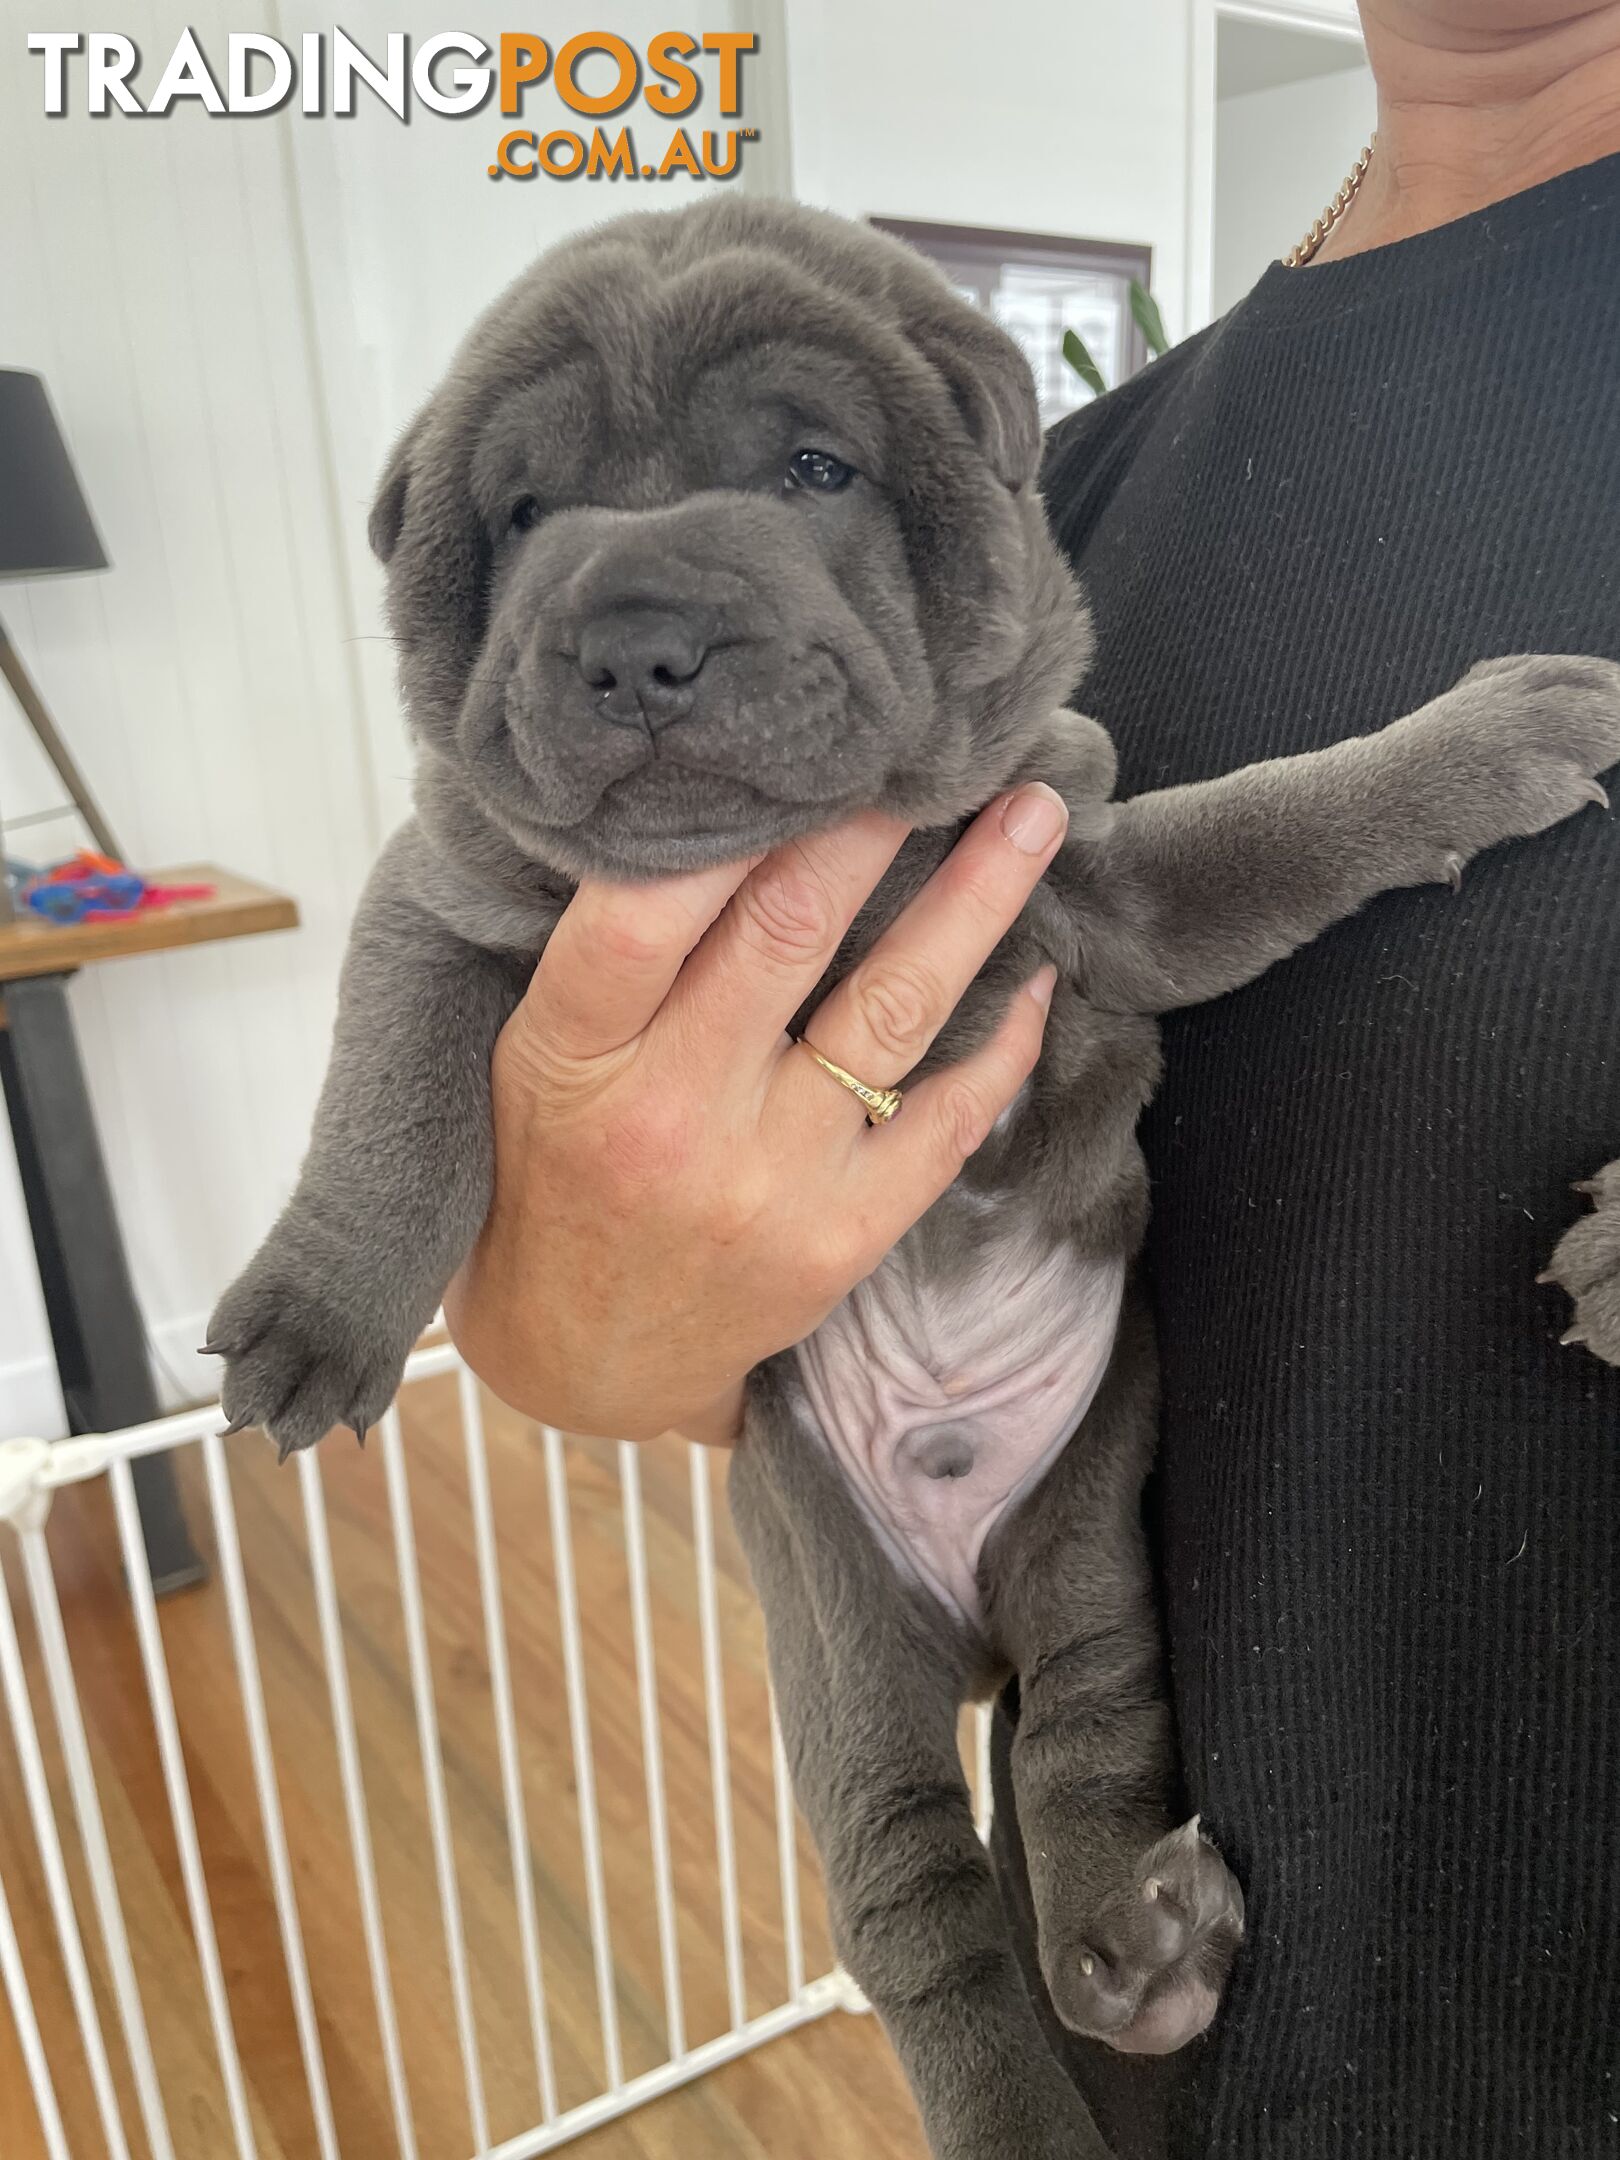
(1318, 18)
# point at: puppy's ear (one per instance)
(994, 390)
(387, 518)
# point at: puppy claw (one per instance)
(1595, 792)
(1151, 1888)
(237, 1424)
(1454, 872)
(283, 1449)
(1591, 1186)
(1572, 1335)
(359, 1432)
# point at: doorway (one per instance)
(1294, 107)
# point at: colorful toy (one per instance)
(98, 888)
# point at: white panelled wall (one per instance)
(150, 275)
(234, 318)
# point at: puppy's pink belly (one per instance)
(943, 1406)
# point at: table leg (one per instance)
(96, 1327)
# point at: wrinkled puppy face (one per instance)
(702, 631)
(721, 528)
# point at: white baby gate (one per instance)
(30, 1473)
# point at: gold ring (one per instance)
(881, 1103)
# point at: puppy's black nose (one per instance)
(644, 662)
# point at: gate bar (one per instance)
(427, 1735)
(172, 1757)
(719, 1755)
(983, 1796)
(652, 1745)
(37, 1787)
(579, 1727)
(820, 1998)
(787, 1856)
(33, 2048)
(239, 1615)
(500, 1689)
(354, 1796)
(64, 1693)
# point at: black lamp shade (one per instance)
(44, 520)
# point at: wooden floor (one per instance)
(827, 2090)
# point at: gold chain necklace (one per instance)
(1335, 210)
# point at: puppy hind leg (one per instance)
(868, 1684)
(1137, 1917)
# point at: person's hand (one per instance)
(679, 1192)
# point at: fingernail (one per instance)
(1041, 985)
(1034, 817)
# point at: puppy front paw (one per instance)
(1586, 1265)
(1144, 1972)
(1515, 748)
(304, 1354)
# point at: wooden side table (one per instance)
(97, 1332)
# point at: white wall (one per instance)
(1281, 154)
(234, 319)
(1057, 116)
(150, 274)
(408, 240)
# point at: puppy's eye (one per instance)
(525, 513)
(818, 470)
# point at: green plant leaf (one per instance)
(1074, 351)
(1148, 319)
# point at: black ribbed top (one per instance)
(1388, 1508)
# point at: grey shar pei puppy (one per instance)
(721, 527)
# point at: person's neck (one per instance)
(1467, 117)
